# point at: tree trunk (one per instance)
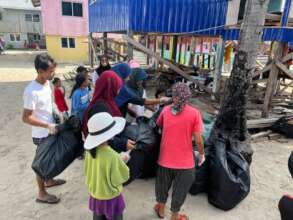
(231, 120)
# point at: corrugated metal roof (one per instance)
(18, 4)
(166, 16)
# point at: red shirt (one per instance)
(176, 150)
(60, 100)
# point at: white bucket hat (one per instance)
(102, 127)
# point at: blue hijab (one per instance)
(131, 89)
(122, 70)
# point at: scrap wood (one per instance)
(261, 134)
(261, 123)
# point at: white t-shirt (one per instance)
(38, 98)
(138, 109)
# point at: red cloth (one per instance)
(106, 89)
(60, 100)
(176, 150)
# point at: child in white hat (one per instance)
(104, 169)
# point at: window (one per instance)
(72, 9)
(0, 16)
(14, 37)
(28, 17)
(67, 42)
(36, 18)
(37, 37)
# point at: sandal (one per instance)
(50, 199)
(183, 217)
(56, 182)
(156, 209)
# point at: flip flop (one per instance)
(156, 209)
(183, 217)
(51, 199)
(57, 182)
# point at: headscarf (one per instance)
(123, 70)
(106, 89)
(181, 93)
(133, 64)
(102, 68)
(136, 76)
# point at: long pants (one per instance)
(286, 208)
(182, 181)
(102, 217)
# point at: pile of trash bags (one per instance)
(58, 151)
(224, 176)
(284, 126)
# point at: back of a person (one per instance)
(177, 134)
(98, 173)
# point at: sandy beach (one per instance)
(269, 173)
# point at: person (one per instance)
(176, 159)
(59, 96)
(286, 207)
(160, 92)
(38, 113)
(123, 71)
(106, 89)
(133, 64)
(104, 66)
(80, 97)
(132, 92)
(84, 70)
(105, 170)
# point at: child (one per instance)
(80, 97)
(105, 171)
(59, 96)
(176, 160)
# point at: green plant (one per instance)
(9, 47)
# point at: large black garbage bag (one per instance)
(57, 152)
(229, 177)
(290, 164)
(142, 133)
(284, 126)
(200, 184)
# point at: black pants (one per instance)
(135, 165)
(286, 208)
(102, 217)
(181, 180)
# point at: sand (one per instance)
(269, 172)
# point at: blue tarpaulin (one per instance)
(202, 17)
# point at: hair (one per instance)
(56, 80)
(43, 61)
(81, 69)
(159, 91)
(79, 80)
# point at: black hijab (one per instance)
(102, 68)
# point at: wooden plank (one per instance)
(261, 123)
(261, 134)
(166, 62)
(287, 58)
(265, 69)
(259, 81)
(286, 87)
(284, 69)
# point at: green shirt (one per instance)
(105, 174)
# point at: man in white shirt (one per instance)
(38, 113)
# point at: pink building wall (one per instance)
(54, 23)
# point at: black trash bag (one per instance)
(284, 127)
(142, 133)
(57, 152)
(200, 184)
(150, 164)
(135, 165)
(286, 207)
(229, 176)
(290, 164)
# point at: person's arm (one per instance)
(28, 118)
(119, 172)
(120, 143)
(198, 128)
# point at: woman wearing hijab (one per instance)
(176, 159)
(123, 71)
(132, 92)
(106, 89)
(104, 66)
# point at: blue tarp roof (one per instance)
(164, 16)
(206, 17)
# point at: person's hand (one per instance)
(125, 156)
(201, 159)
(130, 144)
(164, 100)
(52, 129)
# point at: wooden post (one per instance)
(218, 69)
(277, 53)
(105, 42)
(174, 49)
(91, 52)
(129, 46)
